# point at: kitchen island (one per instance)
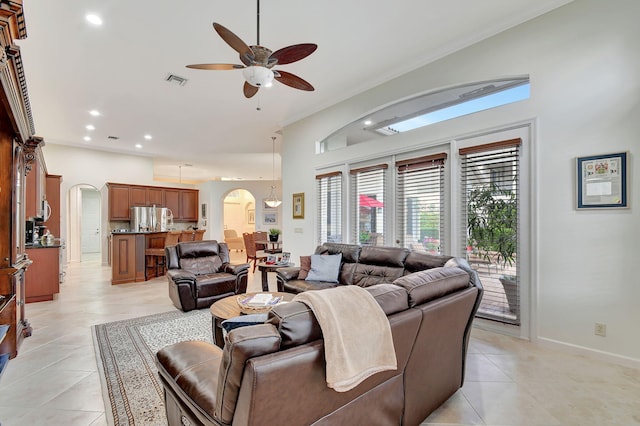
(128, 261)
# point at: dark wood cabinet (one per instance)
(189, 205)
(53, 198)
(118, 202)
(137, 196)
(42, 279)
(172, 202)
(155, 197)
(183, 203)
(17, 148)
(35, 193)
(127, 258)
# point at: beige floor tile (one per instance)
(509, 381)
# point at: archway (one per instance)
(240, 211)
(84, 223)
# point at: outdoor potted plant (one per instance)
(274, 234)
(492, 220)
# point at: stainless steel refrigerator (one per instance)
(151, 219)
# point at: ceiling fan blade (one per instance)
(249, 90)
(293, 80)
(216, 66)
(294, 53)
(236, 43)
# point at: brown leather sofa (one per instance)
(274, 373)
(199, 273)
(362, 266)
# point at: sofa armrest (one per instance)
(234, 269)
(181, 276)
(288, 273)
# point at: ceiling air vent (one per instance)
(176, 79)
(387, 131)
(113, 138)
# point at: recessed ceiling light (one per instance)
(94, 112)
(368, 123)
(86, 138)
(147, 137)
(138, 146)
(90, 127)
(93, 19)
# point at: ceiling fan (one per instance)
(258, 61)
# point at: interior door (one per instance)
(90, 223)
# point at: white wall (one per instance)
(79, 166)
(213, 194)
(584, 66)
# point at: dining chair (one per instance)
(253, 254)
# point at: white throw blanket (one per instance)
(357, 335)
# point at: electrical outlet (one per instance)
(600, 329)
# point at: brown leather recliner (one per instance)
(200, 273)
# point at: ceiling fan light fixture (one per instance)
(258, 76)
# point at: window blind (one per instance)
(420, 203)
(367, 204)
(490, 224)
(329, 197)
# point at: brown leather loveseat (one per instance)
(199, 273)
(274, 373)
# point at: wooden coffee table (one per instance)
(228, 307)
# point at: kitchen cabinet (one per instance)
(127, 258)
(183, 203)
(137, 196)
(53, 198)
(155, 197)
(42, 279)
(18, 150)
(118, 202)
(36, 185)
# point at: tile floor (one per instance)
(54, 380)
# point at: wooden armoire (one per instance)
(17, 147)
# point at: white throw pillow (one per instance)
(325, 268)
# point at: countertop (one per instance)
(39, 246)
(137, 233)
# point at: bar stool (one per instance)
(156, 255)
(187, 235)
(199, 234)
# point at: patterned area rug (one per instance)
(125, 353)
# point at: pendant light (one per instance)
(272, 200)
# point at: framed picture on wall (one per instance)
(270, 218)
(251, 216)
(602, 181)
(298, 205)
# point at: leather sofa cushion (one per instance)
(198, 249)
(215, 284)
(193, 366)
(383, 256)
(201, 265)
(391, 298)
(430, 284)
(240, 345)
(297, 325)
(350, 252)
(365, 275)
(417, 261)
(298, 286)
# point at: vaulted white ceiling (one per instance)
(120, 68)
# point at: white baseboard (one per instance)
(592, 353)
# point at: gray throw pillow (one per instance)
(325, 268)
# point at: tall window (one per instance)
(490, 224)
(329, 196)
(367, 212)
(420, 203)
